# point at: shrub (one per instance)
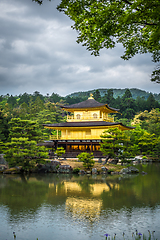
(87, 160)
(60, 151)
(76, 170)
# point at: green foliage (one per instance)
(155, 77)
(24, 98)
(7, 111)
(43, 109)
(102, 24)
(24, 116)
(151, 103)
(55, 98)
(133, 149)
(24, 152)
(156, 150)
(127, 94)
(24, 128)
(76, 170)
(12, 101)
(115, 143)
(127, 105)
(149, 121)
(57, 166)
(97, 95)
(4, 132)
(147, 142)
(60, 151)
(111, 170)
(87, 159)
(2, 147)
(51, 114)
(116, 93)
(108, 97)
(144, 142)
(128, 101)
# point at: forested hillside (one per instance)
(117, 93)
(126, 103)
(46, 109)
(22, 118)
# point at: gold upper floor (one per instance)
(95, 115)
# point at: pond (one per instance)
(73, 207)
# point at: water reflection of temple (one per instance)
(81, 203)
(88, 209)
(75, 188)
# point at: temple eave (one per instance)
(89, 124)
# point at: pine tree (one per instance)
(97, 95)
(24, 128)
(24, 153)
(114, 143)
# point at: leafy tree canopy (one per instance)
(103, 23)
(134, 23)
(149, 121)
(155, 77)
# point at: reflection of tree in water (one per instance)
(84, 198)
(22, 197)
(53, 178)
(135, 190)
(86, 185)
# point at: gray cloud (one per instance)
(39, 52)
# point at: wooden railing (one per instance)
(88, 118)
(54, 137)
(69, 137)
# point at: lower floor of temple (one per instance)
(74, 147)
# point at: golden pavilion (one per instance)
(86, 122)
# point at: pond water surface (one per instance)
(74, 207)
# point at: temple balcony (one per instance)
(54, 137)
(89, 118)
(91, 137)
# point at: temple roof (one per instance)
(89, 103)
(86, 124)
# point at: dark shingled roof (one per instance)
(89, 103)
(85, 124)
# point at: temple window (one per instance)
(78, 116)
(95, 115)
(88, 132)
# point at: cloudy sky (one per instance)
(38, 52)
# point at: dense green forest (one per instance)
(47, 108)
(22, 118)
(117, 93)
